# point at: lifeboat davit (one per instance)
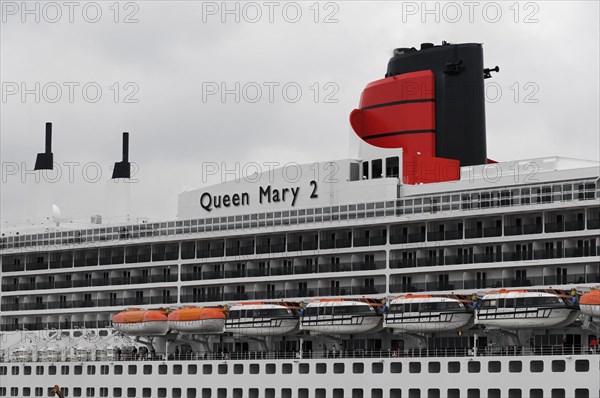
(342, 316)
(422, 313)
(197, 320)
(590, 303)
(526, 309)
(263, 319)
(137, 322)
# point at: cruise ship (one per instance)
(418, 267)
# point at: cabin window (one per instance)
(303, 368)
(321, 368)
(536, 393)
(207, 369)
(132, 369)
(176, 392)
(64, 370)
(582, 365)
(582, 393)
(254, 368)
(515, 366)
(118, 369)
(338, 393)
(433, 393)
(221, 393)
(303, 393)
(270, 368)
(147, 369)
(395, 393)
(358, 367)
(414, 393)
(376, 393)
(177, 369)
(377, 168)
(494, 393)
(222, 369)
(253, 393)
(26, 391)
(162, 369)
(146, 392)
(357, 393)
(453, 367)
(91, 370)
(192, 369)
(339, 368)
(269, 393)
(434, 367)
(238, 393)
(473, 393)
(285, 393)
(77, 392)
(558, 366)
(377, 367)
(117, 392)
(286, 368)
(453, 393)
(396, 367)
(474, 366)
(132, 392)
(558, 393)
(162, 392)
(536, 366)
(414, 367)
(79, 370)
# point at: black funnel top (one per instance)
(45, 161)
(459, 96)
(123, 169)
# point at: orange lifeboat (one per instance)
(589, 303)
(136, 322)
(197, 320)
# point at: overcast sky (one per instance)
(158, 74)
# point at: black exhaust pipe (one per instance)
(123, 169)
(45, 161)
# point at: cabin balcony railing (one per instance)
(487, 257)
(578, 225)
(533, 229)
(554, 227)
(458, 259)
(403, 263)
(191, 276)
(217, 252)
(288, 270)
(203, 253)
(543, 254)
(163, 278)
(593, 224)
(335, 291)
(236, 273)
(254, 272)
(474, 233)
(263, 249)
(37, 266)
(305, 269)
(159, 256)
(360, 242)
(232, 251)
(212, 275)
(294, 246)
(435, 236)
(453, 235)
(277, 247)
(92, 261)
(188, 254)
(418, 237)
(326, 244)
(408, 287)
(238, 296)
(517, 256)
(513, 230)
(368, 265)
(13, 267)
(376, 289)
(435, 286)
(337, 267)
(10, 287)
(580, 251)
(200, 298)
(489, 232)
(343, 243)
(430, 261)
(568, 279)
(171, 255)
(398, 239)
(311, 245)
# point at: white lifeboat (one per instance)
(263, 319)
(422, 313)
(590, 303)
(342, 316)
(137, 322)
(526, 309)
(196, 320)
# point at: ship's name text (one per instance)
(266, 194)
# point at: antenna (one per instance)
(123, 169)
(45, 161)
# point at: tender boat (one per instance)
(424, 313)
(590, 303)
(342, 316)
(136, 322)
(197, 320)
(263, 319)
(527, 309)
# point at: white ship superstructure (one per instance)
(311, 286)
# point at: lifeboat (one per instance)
(263, 319)
(137, 322)
(196, 320)
(421, 313)
(526, 309)
(342, 316)
(590, 303)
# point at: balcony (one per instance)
(487, 257)
(430, 261)
(554, 227)
(513, 230)
(234, 296)
(236, 273)
(568, 279)
(453, 235)
(574, 225)
(311, 245)
(368, 265)
(413, 238)
(435, 286)
(543, 254)
(580, 251)
(199, 298)
(191, 276)
(212, 274)
(403, 263)
(458, 259)
(337, 267)
(489, 232)
(294, 246)
(532, 229)
(435, 236)
(593, 224)
(36, 266)
(474, 233)
(360, 242)
(327, 244)
(398, 239)
(258, 272)
(517, 256)
(408, 287)
(13, 267)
